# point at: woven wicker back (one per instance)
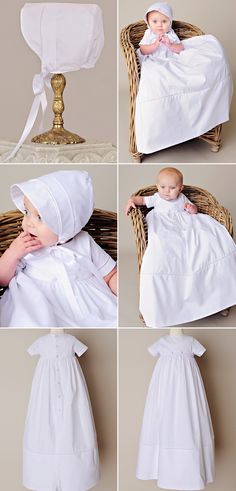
(102, 226)
(204, 200)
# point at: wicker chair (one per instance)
(205, 202)
(102, 226)
(130, 37)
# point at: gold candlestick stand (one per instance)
(58, 135)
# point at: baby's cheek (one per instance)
(167, 27)
(23, 224)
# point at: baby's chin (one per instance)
(168, 198)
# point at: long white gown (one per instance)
(189, 267)
(181, 96)
(177, 441)
(60, 446)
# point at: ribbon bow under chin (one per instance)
(40, 99)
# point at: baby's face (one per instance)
(158, 23)
(169, 186)
(33, 224)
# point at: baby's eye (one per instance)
(39, 217)
(25, 211)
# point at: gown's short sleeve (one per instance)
(146, 39)
(150, 200)
(155, 349)
(173, 37)
(79, 348)
(103, 262)
(197, 348)
(35, 348)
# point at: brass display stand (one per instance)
(58, 135)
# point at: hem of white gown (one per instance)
(32, 488)
(179, 140)
(193, 318)
(177, 488)
(55, 479)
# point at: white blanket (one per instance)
(182, 96)
(189, 267)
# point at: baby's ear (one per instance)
(182, 187)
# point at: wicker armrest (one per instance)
(222, 216)
(129, 39)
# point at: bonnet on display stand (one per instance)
(66, 37)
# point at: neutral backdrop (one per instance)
(105, 196)
(16, 374)
(90, 95)
(213, 18)
(217, 366)
(219, 180)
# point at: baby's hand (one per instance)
(176, 48)
(157, 41)
(24, 244)
(165, 40)
(190, 208)
(130, 205)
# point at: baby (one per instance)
(169, 186)
(159, 32)
(56, 273)
(175, 101)
(188, 269)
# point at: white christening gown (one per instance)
(60, 446)
(176, 442)
(181, 96)
(61, 286)
(189, 267)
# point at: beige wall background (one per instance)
(105, 196)
(16, 373)
(217, 367)
(90, 95)
(219, 180)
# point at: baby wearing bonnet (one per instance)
(185, 87)
(57, 276)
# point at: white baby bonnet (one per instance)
(162, 7)
(66, 37)
(64, 200)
